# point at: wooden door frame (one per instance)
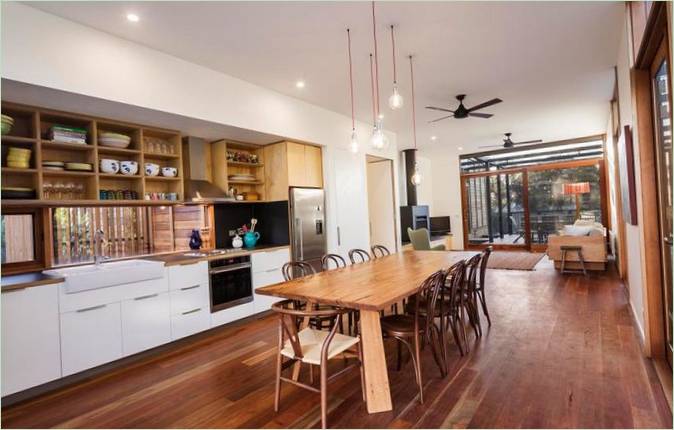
(528, 246)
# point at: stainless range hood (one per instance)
(199, 187)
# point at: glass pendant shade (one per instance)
(353, 145)
(416, 177)
(396, 100)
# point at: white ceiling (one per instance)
(551, 63)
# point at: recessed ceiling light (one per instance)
(132, 17)
(300, 84)
(434, 137)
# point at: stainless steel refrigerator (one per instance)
(307, 225)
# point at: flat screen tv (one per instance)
(440, 225)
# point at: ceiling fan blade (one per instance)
(485, 104)
(440, 109)
(440, 119)
(480, 115)
(527, 142)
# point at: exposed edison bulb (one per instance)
(378, 140)
(416, 176)
(396, 100)
(353, 145)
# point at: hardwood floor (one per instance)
(562, 352)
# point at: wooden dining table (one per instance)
(369, 287)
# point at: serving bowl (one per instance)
(169, 172)
(129, 167)
(109, 165)
(151, 169)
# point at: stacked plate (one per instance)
(18, 158)
(242, 177)
(18, 193)
(53, 165)
(115, 140)
(7, 124)
(79, 167)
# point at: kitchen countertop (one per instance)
(25, 280)
(178, 258)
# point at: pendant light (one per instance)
(378, 138)
(396, 100)
(353, 145)
(416, 177)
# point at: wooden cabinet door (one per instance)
(276, 172)
(313, 165)
(30, 338)
(296, 165)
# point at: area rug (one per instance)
(508, 260)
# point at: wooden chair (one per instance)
(479, 288)
(358, 256)
(470, 294)
(404, 328)
(296, 269)
(379, 251)
(313, 347)
(337, 260)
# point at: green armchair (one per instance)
(421, 240)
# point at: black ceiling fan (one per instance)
(508, 143)
(464, 112)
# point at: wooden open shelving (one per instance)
(228, 167)
(31, 131)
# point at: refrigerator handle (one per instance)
(339, 237)
(301, 239)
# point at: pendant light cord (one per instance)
(353, 116)
(376, 58)
(414, 111)
(374, 102)
(393, 55)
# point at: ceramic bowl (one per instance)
(151, 169)
(169, 172)
(129, 167)
(109, 165)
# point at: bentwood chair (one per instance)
(358, 256)
(299, 269)
(470, 298)
(335, 259)
(419, 324)
(379, 251)
(313, 347)
(479, 288)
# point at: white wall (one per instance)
(381, 206)
(110, 68)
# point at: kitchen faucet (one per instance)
(99, 242)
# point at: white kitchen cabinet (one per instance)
(262, 261)
(187, 275)
(190, 322)
(90, 337)
(262, 279)
(188, 298)
(146, 322)
(190, 308)
(30, 337)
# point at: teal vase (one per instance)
(250, 238)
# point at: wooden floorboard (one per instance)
(563, 352)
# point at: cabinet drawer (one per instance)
(267, 260)
(90, 337)
(188, 298)
(190, 322)
(146, 323)
(232, 314)
(188, 275)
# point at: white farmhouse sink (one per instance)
(91, 277)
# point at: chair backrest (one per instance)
(337, 260)
(358, 256)
(427, 296)
(483, 264)
(379, 251)
(296, 269)
(452, 291)
(420, 238)
(291, 314)
(473, 268)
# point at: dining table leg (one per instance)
(298, 365)
(378, 392)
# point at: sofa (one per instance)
(589, 235)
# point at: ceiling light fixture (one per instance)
(416, 177)
(353, 145)
(460, 148)
(434, 138)
(132, 17)
(300, 84)
(396, 100)
(378, 139)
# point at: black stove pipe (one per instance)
(410, 162)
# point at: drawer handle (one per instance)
(93, 308)
(271, 270)
(189, 263)
(190, 288)
(192, 311)
(146, 297)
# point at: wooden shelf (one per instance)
(17, 171)
(118, 176)
(18, 140)
(246, 182)
(67, 173)
(48, 144)
(162, 178)
(243, 164)
(161, 156)
(89, 202)
(113, 150)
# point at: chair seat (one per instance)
(311, 341)
(401, 325)
(439, 310)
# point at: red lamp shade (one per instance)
(576, 188)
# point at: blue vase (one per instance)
(195, 240)
(250, 239)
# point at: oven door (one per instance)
(230, 286)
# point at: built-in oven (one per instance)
(230, 282)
